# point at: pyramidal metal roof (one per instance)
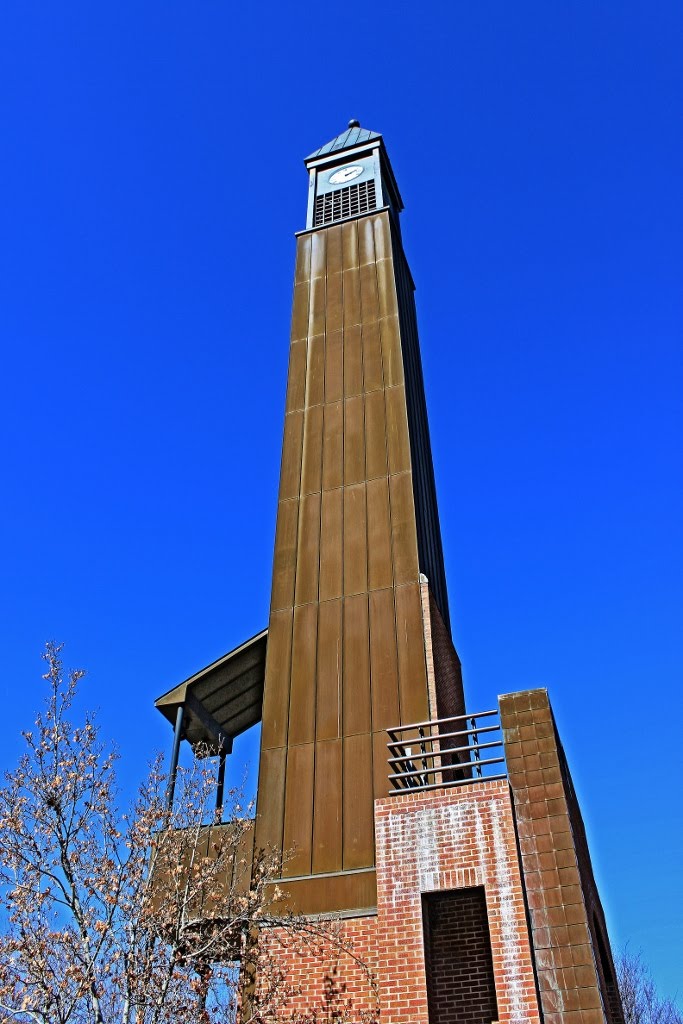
(353, 136)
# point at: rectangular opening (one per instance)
(458, 960)
(345, 202)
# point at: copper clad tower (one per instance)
(451, 844)
(359, 637)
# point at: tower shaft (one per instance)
(356, 527)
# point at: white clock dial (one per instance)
(345, 174)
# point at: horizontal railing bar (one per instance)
(398, 791)
(447, 768)
(444, 735)
(438, 721)
(416, 755)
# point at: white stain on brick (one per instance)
(481, 842)
(419, 836)
(513, 969)
(428, 864)
(439, 845)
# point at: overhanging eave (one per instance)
(222, 700)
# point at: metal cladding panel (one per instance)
(302, 692)
(375, 435)
(353, 362)
(358, 820)
(296, 380)
(298, 819)
(300, 311)
(329, 682)
(334, 375)
(319, 254)
(403, 539)
(292, 443)
(351, 287)
(398, 439)
(354, 440)
(284, 562)
(355, 890)
(335, 307)
(271, 798)
(302, 269)
(368, 292)
(366, 243)
(373, 374)
(276, 686)
(356, 714)
(383, 661)
(327, 807)
(386, 288)
(391, 351)
(333, 446)
(308, 550)
(349, 233)
(315, 373)
(316, 306)
(334, 250)
(331, 520)
(380, 573)
(346, 658)
(311, 464)
(355, 540)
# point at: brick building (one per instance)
(449, 843)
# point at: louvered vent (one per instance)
(345, 202)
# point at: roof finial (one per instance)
(354, 124)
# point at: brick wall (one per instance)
(328, 973)
(443, 840)
(460, 982)
(450, 698)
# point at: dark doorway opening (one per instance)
(459, 964)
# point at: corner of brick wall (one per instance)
(450, 698)
(562, 897)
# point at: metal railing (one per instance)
(445, 752)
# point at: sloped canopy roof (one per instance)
(353, 136)
(223, 699)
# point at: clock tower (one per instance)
(450, 844)
(359, 638)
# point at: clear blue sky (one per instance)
(152, 174)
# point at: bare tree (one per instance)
(641, 1001)
(148, 917)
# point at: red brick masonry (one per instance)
(460, 983)
(449, 839)
(330, 981)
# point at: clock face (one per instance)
(345, 174)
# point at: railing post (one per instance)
(219, 785)
(175, 754)
(475, 743)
